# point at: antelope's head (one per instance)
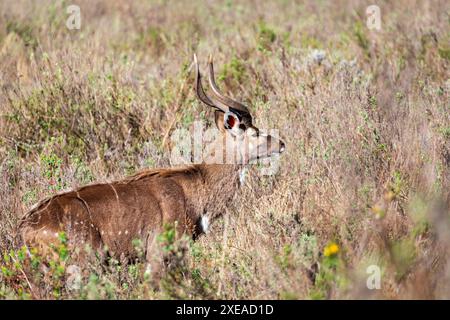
(234, 122)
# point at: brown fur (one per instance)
(114, 214)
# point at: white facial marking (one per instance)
(204, 222)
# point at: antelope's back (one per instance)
(111, 214)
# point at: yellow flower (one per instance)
(378, 211)
(389, 196)
(331, 250)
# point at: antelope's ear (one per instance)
(227, 121)
(218, 118)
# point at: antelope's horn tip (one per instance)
(210, 59)
(195, 58)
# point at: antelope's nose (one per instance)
(282, 146)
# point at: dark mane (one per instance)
(191, 170)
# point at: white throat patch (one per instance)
(242, 175)
(204, 222)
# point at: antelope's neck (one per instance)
(219, 185)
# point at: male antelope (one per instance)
(113, 214)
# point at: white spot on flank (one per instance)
(204, 222)
(148, 270)
(120, 232)
(56, 234)
(126, 231)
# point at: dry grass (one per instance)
(367, 130)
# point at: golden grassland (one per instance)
(365, 115)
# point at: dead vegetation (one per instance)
(365, 115)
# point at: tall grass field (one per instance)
(359, 207)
